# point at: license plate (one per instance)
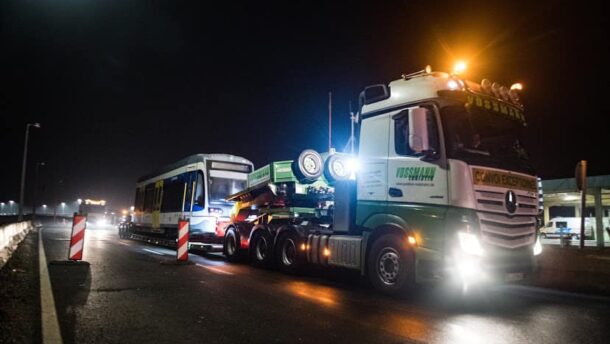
(513, 276)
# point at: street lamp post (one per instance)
(23, 167)
(35, 200)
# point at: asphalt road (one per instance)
(126, 295)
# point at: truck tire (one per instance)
(231, 246)
(287, 256)
(261, 249)
(391, 265)
(308, 167)
(336, 167)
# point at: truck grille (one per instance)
(501, 228)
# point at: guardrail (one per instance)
(10, 236)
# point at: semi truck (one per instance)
(440, 188)
(96, 212)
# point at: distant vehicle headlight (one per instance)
(101, 222)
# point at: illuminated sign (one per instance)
(502, 179)
(94, 202)
(230, 167)
(495, 105)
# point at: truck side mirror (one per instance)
(418, 130)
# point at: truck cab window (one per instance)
(401, 133)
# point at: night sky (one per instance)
(122, 87)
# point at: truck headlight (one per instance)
(469, 243)
(537, 247)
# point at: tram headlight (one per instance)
(215, 211)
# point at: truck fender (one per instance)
(243, 231)
(377, 221)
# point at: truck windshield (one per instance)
(220, 188)
(484, 138)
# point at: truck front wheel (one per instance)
(390, 265)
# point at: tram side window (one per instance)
(139, 202)
(199, 194)
(173, 191)
(149, 197)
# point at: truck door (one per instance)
(417, 187)
(372, 175)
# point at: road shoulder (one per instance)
(20, 294)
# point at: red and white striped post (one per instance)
(77, 240)
(182, 252)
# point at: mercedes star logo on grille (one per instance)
(511, 201)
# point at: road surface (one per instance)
(126, 295)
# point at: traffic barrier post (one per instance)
(182, 251)
(77, 239)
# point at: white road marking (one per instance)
(213, 269)
(124, 243)
(50, 324)
(153, 252)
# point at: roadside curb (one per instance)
(12, 235)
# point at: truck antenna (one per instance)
(330, 120)
(352, 118)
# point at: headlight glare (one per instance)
(469, 243)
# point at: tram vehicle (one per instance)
(194, 188)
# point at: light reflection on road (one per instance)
(321, 295)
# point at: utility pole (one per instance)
(23, 167)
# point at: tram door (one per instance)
(156, 213)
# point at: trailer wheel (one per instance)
(336, 167)
(391, 266)
(261, 249)
(231, 247)
(287, 255)
(309, 166)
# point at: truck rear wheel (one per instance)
(391, 266)
(231, 246)
(287, 256)
(261, 249)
